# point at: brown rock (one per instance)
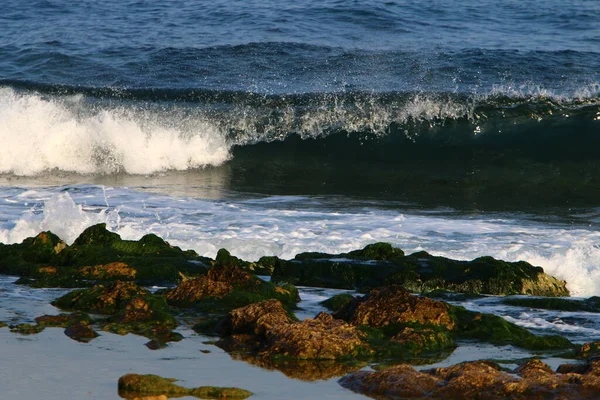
(321, 338)
(62, 320)
(233, 276)
(219, 281)
(393, 304)
(81, 332)
(477, 379)
(196, 289)
(136, 309)
(399, 382)
(255, 319)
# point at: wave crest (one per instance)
(40, 134)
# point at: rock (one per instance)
(102, 299)
(255, 319)
(321, 338)
(587, 350)
(476, 380)
(387, 312)
(132, 385)
(394, 305)
(381, 264)
(98, 255)
(130, 309)
(81, 332)
(62, 320)
(26, 329)
(399, 382)
(267, 330)
(226, 287)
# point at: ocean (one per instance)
(460, 128)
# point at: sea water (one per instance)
(460, 128)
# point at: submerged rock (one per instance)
(134, 385)
(380, 264)
(477, 380)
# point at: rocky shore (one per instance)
(397, 318)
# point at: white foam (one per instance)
(285, 227)
(40, 134)
(60, 215)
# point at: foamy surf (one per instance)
(40, 133)
(284, 226)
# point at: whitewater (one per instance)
(253, 226)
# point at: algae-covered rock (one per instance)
(226, 287)
(494, 329)
(98, 255)
(587, 350)
(131, 385)
(476, 380)
(26, 329)
(380, 264)
(389, 310)
(62, 320)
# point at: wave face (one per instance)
(527, 146)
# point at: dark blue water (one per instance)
(449, 102)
